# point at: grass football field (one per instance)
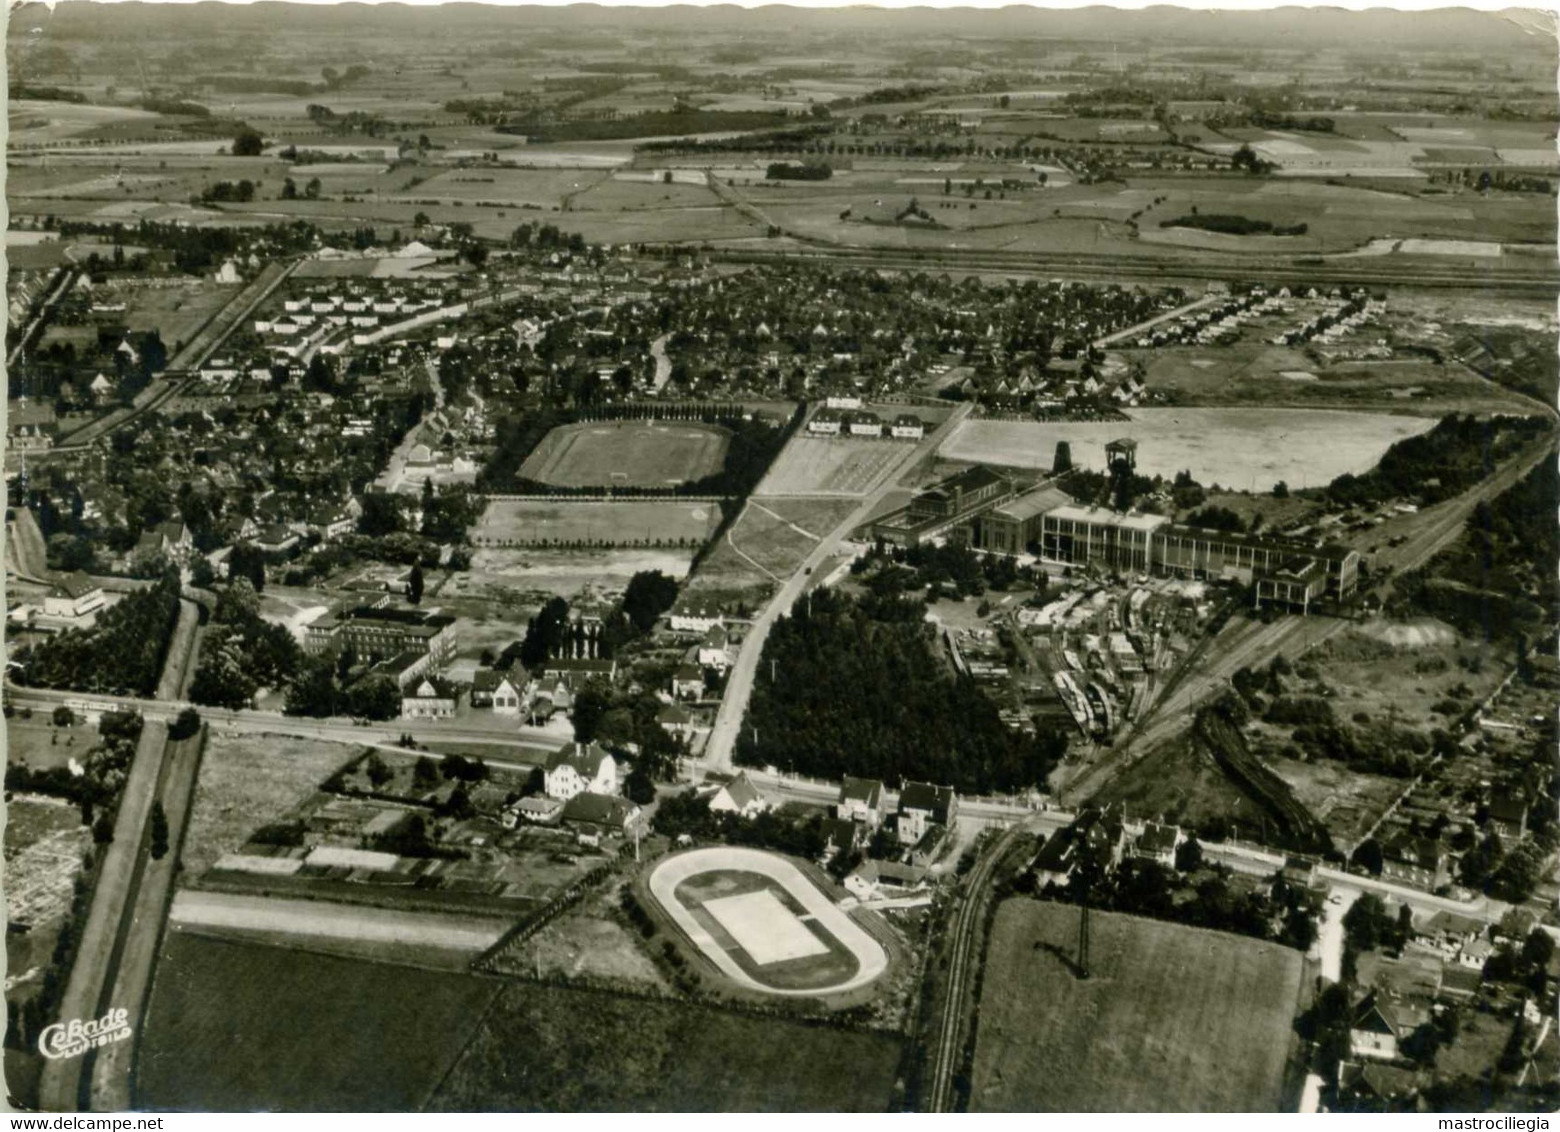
(626, 454)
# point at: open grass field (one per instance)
(38, 744)
(245, 1027)
(538, 521)
(626, 454)
(816, 465)
(554, 1049)
(1253, 372)
(1183, 785)
(1407, 668)
(248, 780)
(1174, 1019)
(1242, 448)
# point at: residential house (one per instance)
(875, 878)
(503, 692)
(923, 806)
(1370, 1085)
(677, 721)
(580, 768)
(73, 595)
(1053, 864)
(171, 539)
(713, 649)
(738, 796)
(1382, 1026)
(695, 619)
(1475, 954)
(1158, 843)
(1508, 817)
(535, 810)
(1418, 861)
(601, 814)
(841, 835)
(1449, 933)
(907, 426)
(276, 538)
(688, 682)
(825, 422)
(861, 799)
(430, 698)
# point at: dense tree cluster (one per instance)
(1457, 453)
(855, 694)
(240, 652)
(122, 653)
(689, 814)
(1501, 578)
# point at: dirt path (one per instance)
(336, 921)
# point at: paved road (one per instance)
(90, 979)
(739, 682)
(23, 340)
(498, 731)
(1149, 324)
(110, 1068)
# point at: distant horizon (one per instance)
(1489, 7)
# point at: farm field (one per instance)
(246, 1027)
(248, 780)
(546, 522)
(1256, 373)
(1242, 448)
(626, 454)
(592, 1051)
(815, 465)
(1174, 1019)
(545, 188)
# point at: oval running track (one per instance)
(871, 959)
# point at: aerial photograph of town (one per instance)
(666, 559)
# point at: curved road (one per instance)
(739, 682)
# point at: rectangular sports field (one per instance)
(530, 522)
(817, 465)
(626, 454)
(1173, 1019)
(765, 928)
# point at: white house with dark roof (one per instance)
(1158, 843)
(429, 698)
(73, 595)
(738, 796)
(714, 650)
(861, 799)
(580, 768)
(503, 692)
(923, 806)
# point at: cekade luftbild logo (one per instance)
(74, 1038)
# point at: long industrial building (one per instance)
(980, 507)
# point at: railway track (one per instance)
(961, 969)
(1531, 283)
